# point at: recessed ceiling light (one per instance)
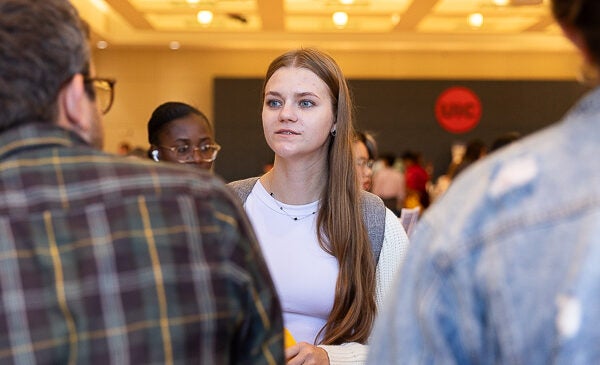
(193, 1)
(101, 44)
(174, 45)
(476, 20)
(205, 17)
(101, 5)
(340, 19)
(501, 2)
(347, 2)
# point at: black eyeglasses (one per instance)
(104, 92)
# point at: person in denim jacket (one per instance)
(505, 268)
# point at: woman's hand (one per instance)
(306, 354)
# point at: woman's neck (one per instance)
(299, 185)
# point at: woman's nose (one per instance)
(196, 156)
(288, 113)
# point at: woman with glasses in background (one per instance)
(180, 133)
(365, 154)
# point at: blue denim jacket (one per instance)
(505, 268)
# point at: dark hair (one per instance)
(504, 140)
(42, 45)
(583, 15)
(167, 112)
(340, 223)
(389, 158)
(410, 156)
(369, 141)
(474, 150)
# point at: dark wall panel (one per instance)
(399, 112)
(238, 128)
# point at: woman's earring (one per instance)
(155, 155)
(333, 133)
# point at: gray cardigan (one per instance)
(373, 211)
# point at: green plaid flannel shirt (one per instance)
(113, 260)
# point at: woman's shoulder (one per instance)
(243, 187)
(374, 218)
(373, 208)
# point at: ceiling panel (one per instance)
(372, 24)
(329, 6)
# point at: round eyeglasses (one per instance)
(185, 152)
(104, 92)
(365, 163)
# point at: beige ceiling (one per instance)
(373, 25)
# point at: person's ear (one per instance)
(75, 106)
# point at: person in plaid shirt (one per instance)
(104, 259)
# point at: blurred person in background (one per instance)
(389, 184)
(504, 140)
(124, 149)
(475, 150)
(180, 133)
(365, 154)
(416, 178)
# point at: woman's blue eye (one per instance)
(306, 103)
(273, 103)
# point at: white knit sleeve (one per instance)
(351, 353)
(393, 251)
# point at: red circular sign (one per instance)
(458, 109)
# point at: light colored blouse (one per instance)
(305, 275)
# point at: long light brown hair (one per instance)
(340, 226)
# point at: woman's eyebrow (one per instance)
(273, 93)
(297, 94)
(185, 140)
(307, 93)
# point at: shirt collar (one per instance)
(36, 135)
